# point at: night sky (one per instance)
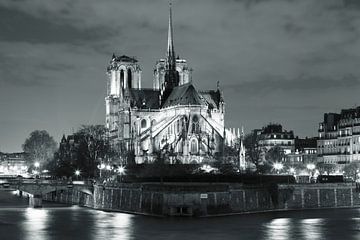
(285, 61)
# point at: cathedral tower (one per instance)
(171, 71)
(124, 73)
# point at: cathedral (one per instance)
(172, 118)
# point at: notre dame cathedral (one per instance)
(171, 118)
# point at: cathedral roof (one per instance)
(212, 98)
(123, 58)
(183, 95)
(144, 98)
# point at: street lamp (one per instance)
(310, 166)
(77, 174)
(292, 170)
(278, 167)
(121, 171)
(101, 167)
(36, 165)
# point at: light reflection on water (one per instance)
(59, 223)
(278, 228)
(35, 224)
(112, 226)
(311, 228)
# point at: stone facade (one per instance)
(13, 164)
(172, 117)
(274, 135)
(339, 137)
(196, 199)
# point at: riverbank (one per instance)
(210, 199)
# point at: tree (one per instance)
(92, 148)
(40, 147)
(253, 153)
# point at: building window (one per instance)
(121, 78)
(194, 146)
(129, 78)
(143, 123)
(195, 124)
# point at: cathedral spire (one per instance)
(171, 75)
(170, 44)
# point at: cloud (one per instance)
(18, 26)
(263, 52)
(302, 83)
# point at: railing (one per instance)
(44, 181)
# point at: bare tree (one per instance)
(93, 146)
(40, 147)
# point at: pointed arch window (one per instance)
(195, 124)
(129, 78)
(121, 79)
(194, 147)
(143, 123)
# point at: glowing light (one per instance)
(37, 164)
(207, 168)
(278, 166)
(121, 169)
(77, 172)
(310, 166)
(292, 170)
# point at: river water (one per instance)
(17, 221)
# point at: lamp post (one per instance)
(37, 166)
(310, 167)
(101, 166)
(121, 171)
(278, 167)
(77, 174)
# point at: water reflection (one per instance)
(75, 223)
(35, 224)
(278, 228)
(312, 228)
(113, 226)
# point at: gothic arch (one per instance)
(122, 76)
(129, 78)
(143, 123)
(194, 146)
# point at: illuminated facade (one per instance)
(172, 117)
(13, 164)
(339, 137)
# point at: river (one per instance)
(17, 221)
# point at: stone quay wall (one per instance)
(206, 199)
(71, 197)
